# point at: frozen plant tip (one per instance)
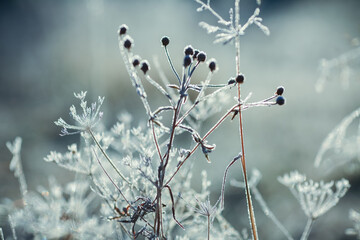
(87, 120)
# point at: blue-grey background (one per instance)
(50, 49)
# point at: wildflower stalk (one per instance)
(247, 189)
(107, 156)
(307, 229)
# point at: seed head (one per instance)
(128, 43)
(165, 41)
(122, 29)
(280, 100)
(196, 52)
(231, 81)
(187, 60)
(280, 90)
(189, 50)
(136, 61)
(201, 57)
(144, 66)
(212, 65)
(240, 78)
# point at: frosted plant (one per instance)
(230, 31)
(315, 198)
(342, 67)
(340, 147)
(355, 218)
(62, 213)
(87, 120)
(142, 200)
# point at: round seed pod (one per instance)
(201, 57)
(122, 29)
(196, 52)
(280, 90)
(187, 61)
(231, 81)
(189, 50)
(165, 41)
(240, 78)
(280, 100)
(212, 65)
(135, 62)
(144, 67)
(127, 43)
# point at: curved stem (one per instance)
(107, 157)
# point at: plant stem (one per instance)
(247, 189)
(208, 232)
(107, 157)
(307, 229)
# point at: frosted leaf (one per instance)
(338, 148)
(209, 28)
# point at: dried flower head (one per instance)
(87, 120)
(315, 198)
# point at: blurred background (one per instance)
(50, 49)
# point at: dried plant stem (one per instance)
(307, 229)
(221, 120)
(208, 227)
(247, 189)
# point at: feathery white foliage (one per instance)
(87, 120)
(16, 165)
(62, 213)
(355, 218)
(229, 30)
(339, 148)
(341, 67)
(315, 198)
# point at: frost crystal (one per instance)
(87, 120)
(315, 198)
(355, 218)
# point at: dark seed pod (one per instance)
(136, 62)
(144, 67)
(280, 100)
(188, 50)
(127, 44)
(231, 81)
(240, 78)
(212, 66)
(201, 57)
(187, 61)
(165, 41)
(196, 52)
(280, 90)
(122, 29)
